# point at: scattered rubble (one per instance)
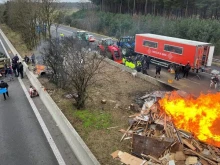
(155, 139)
(70, 95)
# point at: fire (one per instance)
(200, 116)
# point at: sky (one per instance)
(2, 1)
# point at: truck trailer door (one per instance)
(210, 57)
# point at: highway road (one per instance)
(24, 138)
(21, 139)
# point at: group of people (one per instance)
(17, 67)
(142, 63)
(181, 69)
(31, 59)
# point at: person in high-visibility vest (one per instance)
(61, 35)
(129, 63)
(138, 64)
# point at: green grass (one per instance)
(98, 120)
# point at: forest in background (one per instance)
(168, 8)
(188, 19)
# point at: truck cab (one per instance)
(82, 35)
(126, 44)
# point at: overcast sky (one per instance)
(2, 1)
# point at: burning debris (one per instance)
(174, 128)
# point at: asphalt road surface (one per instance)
(22, 141)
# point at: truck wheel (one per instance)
(109, 55)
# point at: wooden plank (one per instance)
(126, 132)
(196, 153)
(212, 152)
(188, 144)
(197, 145)
(151, 157)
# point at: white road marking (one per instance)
(43, 126)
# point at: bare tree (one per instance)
(48, 9)
(78, 68)
(54, 59)
(83, 69)
(58, 19)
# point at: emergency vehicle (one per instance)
(165, 50)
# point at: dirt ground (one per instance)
(118, 88)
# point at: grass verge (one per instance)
(16, 40)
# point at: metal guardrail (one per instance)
(216, 60)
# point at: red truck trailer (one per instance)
(165, 50)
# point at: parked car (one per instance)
(91, 38)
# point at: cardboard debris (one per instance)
(179, 155)
(191, 160)
(128, 159)
(155, 139)
(115, 154)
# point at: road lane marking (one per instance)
(43, 126)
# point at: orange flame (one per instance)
(200, 116)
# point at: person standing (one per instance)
(9, 71)
(20, 69)
(138, 62)
(5, 69)
(33, 59)
(186, 70)
(148, 62)
(15, 59)
(144, 68)
(26, 59)
(4, 88)
(158, 69)
(14, 68)
(177, 72)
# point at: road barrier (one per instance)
(76, 143)
(142, 76)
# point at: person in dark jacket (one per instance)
(20, 69)
(186, 70)
(15, 59)
(5, 69)
(33, 59)
(144, 68)
(158, 69)
(26, 59)
(148, 62)
(14, 68)
(2, 86)
(177, 72)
